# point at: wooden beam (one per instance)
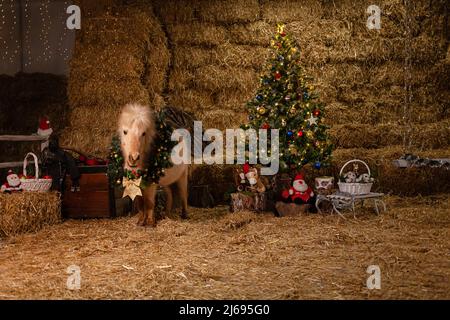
(13, 164)
(22, 138)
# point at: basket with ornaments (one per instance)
(34, 182)
(356, 181)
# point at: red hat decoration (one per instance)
(44, 123)
(299, 176)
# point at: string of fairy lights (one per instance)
(9, 50)
(27, 30)
(21, 21)
(63, 51)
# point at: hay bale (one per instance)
(195, 33)
(257, 33)
(174, 12)
(107, 93)
(228, 11)
(101, 63)
(120, 57)
(224, 55)
(426, 136)
(28, 212)
(235, 100)
(214, 78)
(131, 28)
(192, 100)
(286, 11)
(447, 58)
(181, 79)
(222, 119)
(93, 133)
(373, 113)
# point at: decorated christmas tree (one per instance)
(286, 102)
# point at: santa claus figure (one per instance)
(300, 192)
(12, 183)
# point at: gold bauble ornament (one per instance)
(292, 149)
(261, 110)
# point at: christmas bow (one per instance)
(132, 187)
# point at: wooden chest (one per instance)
(96, 198)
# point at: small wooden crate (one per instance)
(96, 198)
(252, 201)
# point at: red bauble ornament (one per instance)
(316, 112)
(265, 126)
(300, 133)
(277, 75)
(283, 34)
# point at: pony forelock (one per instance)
(136, 115)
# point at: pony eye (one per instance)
(143, 133)
(125, 132)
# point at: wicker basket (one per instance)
(355, 188)
(35, 184)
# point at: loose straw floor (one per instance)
(219, 255)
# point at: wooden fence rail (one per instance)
(18, 138)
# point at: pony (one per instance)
(136, 129)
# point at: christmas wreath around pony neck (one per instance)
(157, 162)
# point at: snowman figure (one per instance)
(12, 183)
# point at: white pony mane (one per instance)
(134, 114)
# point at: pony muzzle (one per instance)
(133, 159)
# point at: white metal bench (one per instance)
(342, 201)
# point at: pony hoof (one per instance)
(150, 223)
(184, 216)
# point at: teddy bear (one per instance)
(248, 180)
(256, 184)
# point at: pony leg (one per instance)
(169, 201)
(182, 184)
(149, 205)
(138, 205)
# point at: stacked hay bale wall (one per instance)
(217, 51)
(120, 56)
